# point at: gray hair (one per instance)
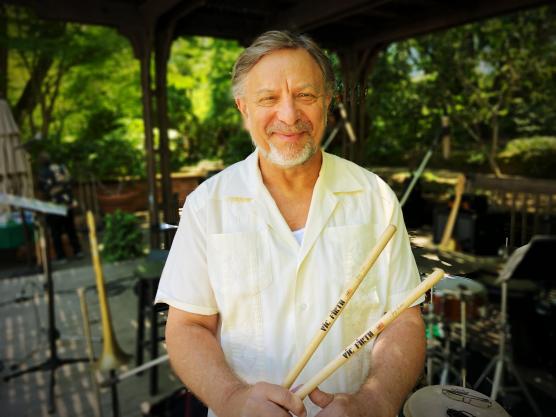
(272, 41)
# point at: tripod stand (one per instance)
(54, 361)
(525, 262)
(504, 361)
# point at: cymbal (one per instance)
(453, 263)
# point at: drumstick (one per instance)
(340, 305)
(363, 339)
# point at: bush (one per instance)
(532, 157)
(122, 237)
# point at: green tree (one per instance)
(494, 79)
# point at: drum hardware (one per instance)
(504, 359)
(463, 338)
(430, 319)
(452, 401)
(455, 300)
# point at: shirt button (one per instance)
(303, 306)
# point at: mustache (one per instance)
(299, 127)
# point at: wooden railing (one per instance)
(531, 203)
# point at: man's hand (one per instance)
(335, 405)
(265, 400)
(343, 405)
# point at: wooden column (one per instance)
(142, 41)
(163, 43)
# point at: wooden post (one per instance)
(163, 42)
(141, 41)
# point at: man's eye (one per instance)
(306, 97)
(266, 101)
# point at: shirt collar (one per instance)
(338, 177)
(248, 182)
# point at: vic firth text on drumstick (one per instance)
(362, 340)
(340, 305)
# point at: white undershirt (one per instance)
(298, 234)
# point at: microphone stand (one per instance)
(54, 361)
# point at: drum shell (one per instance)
(447, 298)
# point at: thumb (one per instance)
(321, 398)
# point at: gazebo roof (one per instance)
(335, 24)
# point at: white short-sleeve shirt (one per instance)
(234, 255)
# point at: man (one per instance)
(55, 186)
(265, 248)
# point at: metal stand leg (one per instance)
(53, 362)
(504, 359)
(114, 393)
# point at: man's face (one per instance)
(284, 106)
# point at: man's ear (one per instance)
(242, 107)
(327, 101)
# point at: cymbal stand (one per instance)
(446, 354)
(504, 359)
(463, 336)
(430, 341)
(54, 361)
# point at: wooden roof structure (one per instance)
(356, 29)
(335, 24)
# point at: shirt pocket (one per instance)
(352, 245)
(238, 263)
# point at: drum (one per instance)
(448, 293)
(451, 401)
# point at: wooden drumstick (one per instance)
(340, 305)
(363, 339)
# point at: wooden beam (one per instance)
(207, 24)
(307, 15)
(153, 9)
(443, 18)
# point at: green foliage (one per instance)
(199, 73)
(495, 80)
(535, 157)
(122, 238)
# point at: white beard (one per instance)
(289, 158)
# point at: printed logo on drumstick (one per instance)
(340, 305)
(362, 340)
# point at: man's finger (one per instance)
(286, 399)
(321, 398)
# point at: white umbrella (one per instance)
(15, 170)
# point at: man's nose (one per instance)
(287, 111)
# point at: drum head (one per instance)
(452, 284)
(436, 400)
